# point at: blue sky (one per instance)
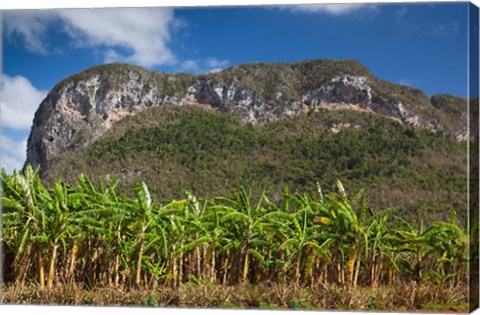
(422, 45)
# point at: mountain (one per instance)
(84, 106)
(265, 126)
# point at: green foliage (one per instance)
(98, 237)
(151, 301)
(173, 149)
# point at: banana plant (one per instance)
(450, 244)
(345, 228)
(58, 222)
(245, 222)
(378, 256)
(99, 237)
(25, 195)
(150, 227)
(303, 241)
(142, 209)
(416, 242)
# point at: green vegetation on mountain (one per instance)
(176, 149)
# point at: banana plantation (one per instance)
(87, 234)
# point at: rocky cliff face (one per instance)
(83, 107)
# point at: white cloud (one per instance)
(9, 163)
(214, 70)
(215, 63)
(135, 35)
(19, 100)
(206, 65)
(405, 81)
(330, 8)
(112, 56)
(13, 153)
(143, 32)
(30, 26)
(189, 66)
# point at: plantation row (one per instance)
(88, 234)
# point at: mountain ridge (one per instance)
(85, 105)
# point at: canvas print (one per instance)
(309, 157)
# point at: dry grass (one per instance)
(403, 296)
